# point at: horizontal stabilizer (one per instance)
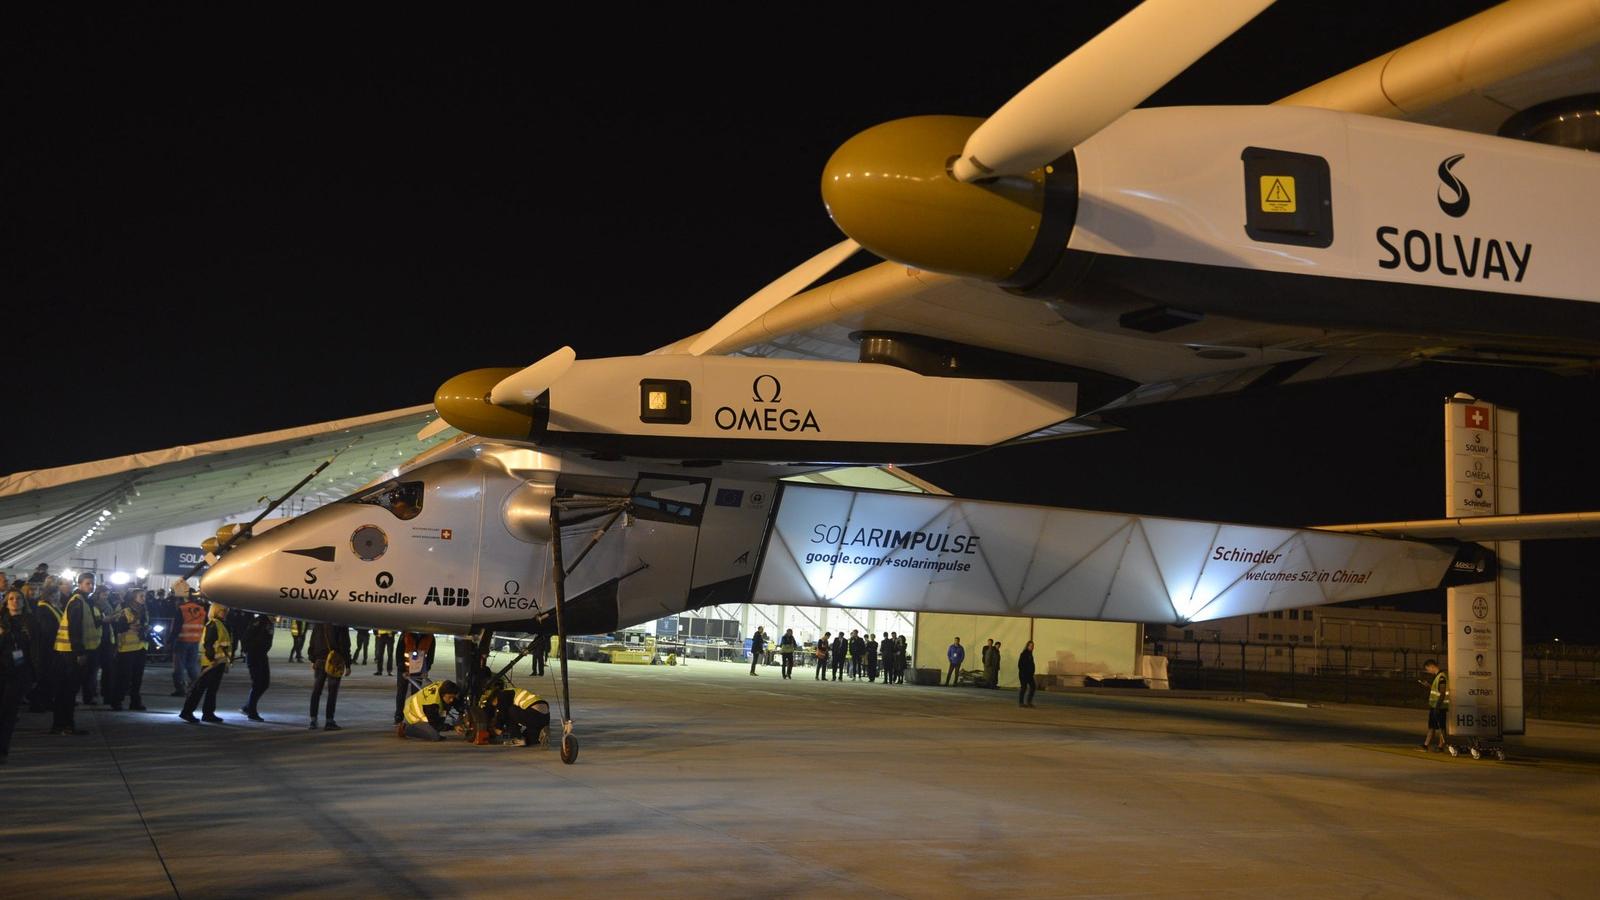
(895, 551)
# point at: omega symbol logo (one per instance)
(1458, 207)
(757, 385)
(513, 587)
(385, 579)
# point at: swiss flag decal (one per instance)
(1477, 416)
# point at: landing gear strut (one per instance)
(569, 741)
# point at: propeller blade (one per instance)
(525, 386)
(1118, 69)
(432, 428)
(758, 304)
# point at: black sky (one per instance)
(226, 221)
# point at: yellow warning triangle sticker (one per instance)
(1277, 193)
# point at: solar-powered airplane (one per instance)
(1069, 256)
(1042, 269)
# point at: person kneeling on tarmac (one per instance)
(426, 708)
(518, 714)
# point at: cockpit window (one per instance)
(402, 498)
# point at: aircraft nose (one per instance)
(246, 577)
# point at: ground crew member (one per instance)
(519, 714)
(424, 712)
(257, 644)
(131, 624)
(94, 606)
(822, 657)
(412, 644)
(787, 647)
(1438, 703)
(297, 630)
(186, 649)
(74, 621)
(385, 651)
(837, 653)
(216, 651)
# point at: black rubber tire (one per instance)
(569, 749)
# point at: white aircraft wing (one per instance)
(914, 552)
(1477, 73)
(44, 512)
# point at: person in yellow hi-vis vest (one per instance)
(297, 632)
(424, 712)
(75, 622)
(1438, 703)
(131, 624)
(216, 651)
(519, 715)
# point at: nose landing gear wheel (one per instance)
(1476, 753)
(569, 749)
(1454, 750)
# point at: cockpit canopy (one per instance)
(403, 499)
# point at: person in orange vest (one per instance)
(415, 646)
(186, 649)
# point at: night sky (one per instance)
(220, 224)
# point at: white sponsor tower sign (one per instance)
(1484, 621)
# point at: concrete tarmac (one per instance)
(703, 781)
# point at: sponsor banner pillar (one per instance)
(1484, 622)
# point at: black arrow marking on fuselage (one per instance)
(323, 553)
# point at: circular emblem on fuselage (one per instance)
(369, 542)
(1480, 607)
(385, 579)
(763, 384)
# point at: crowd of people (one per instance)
(856, 658)
(67, 642)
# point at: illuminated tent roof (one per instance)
(44, 513)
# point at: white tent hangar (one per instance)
(118, 513)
